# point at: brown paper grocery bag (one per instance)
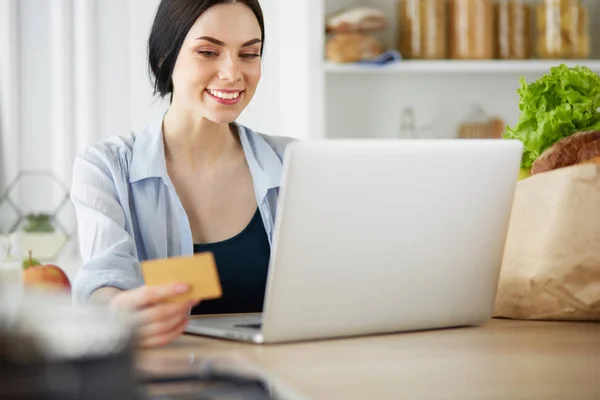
(551, 267)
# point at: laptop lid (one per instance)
(377, 236)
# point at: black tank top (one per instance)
(242, 262)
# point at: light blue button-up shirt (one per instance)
(128, 211)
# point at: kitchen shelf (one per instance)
(457, 66)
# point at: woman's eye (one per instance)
(250, 56)
(207, 54)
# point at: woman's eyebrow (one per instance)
(221, 43)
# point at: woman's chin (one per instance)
(223, 117)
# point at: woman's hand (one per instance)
(158, 322)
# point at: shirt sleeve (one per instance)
(108, 251)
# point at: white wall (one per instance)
(440, 102)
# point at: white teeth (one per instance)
(223, 95)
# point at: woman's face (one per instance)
(218, 67)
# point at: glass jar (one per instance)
(513, 29)
(471, 29)
(562, 29)
(422, 29)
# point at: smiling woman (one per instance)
(200, 58)
(195, 181)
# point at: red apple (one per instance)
(46, 276)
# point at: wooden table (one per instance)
(502, 360)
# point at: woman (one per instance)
(195, 181)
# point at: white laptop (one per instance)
(381, 236)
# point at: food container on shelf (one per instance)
(478, 125)
(513, 29)
(471, 29)
(562, 29)
(423, 29)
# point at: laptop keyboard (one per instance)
(249, 326)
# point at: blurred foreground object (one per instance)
(170, 376)
(52, 350)
(11, 282)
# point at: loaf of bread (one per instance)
(595, 160)
(352, 47)
(581, 147)
(590, 150)
(357, 19)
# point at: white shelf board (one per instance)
(457, 66)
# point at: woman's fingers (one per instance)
(165, 338)
(161, 314)
(158, 320)
(145, 296)
(163, 311)
(162, 326)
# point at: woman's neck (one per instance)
(196, 142)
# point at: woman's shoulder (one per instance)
(118, 149)
(113, 155)
(109, 153)
(118, 145)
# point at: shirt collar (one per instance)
(265, 164)
(148, 158)
(148, 154)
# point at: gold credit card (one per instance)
(199, 271)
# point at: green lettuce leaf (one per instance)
(560, 103)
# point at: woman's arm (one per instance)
(110, 273)
(107, 249)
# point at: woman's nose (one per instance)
(230, 69)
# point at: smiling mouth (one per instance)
(224, 95)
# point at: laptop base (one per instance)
(246, 328)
